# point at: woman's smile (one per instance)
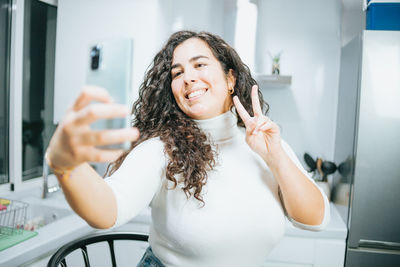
(195, 94)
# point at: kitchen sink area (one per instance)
(20, 221)
(39, 216)
(50, 223)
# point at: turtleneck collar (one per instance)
(221, 128)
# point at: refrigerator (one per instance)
(366, 190)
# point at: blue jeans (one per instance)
(150, 260)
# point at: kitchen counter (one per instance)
(49, 237)
(336, 228)
(71, 227)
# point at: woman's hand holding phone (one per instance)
(74, 142)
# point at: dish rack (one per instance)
(12, 216)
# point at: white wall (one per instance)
(353, 20)
(308, 33)
(147, 22)
(80, 23)
(205, 15)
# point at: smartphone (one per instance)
(110, 67)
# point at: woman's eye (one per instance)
(199, 65)
(176, 74)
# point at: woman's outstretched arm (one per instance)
(90, 197)
(74, 144)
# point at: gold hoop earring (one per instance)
(231, 90)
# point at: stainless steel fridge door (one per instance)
(346, 123)
(375, 205)
(371, 258)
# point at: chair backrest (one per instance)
(58, 257)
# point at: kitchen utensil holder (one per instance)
(13, 218)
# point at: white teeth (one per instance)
(196, 93)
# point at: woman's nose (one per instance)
(190, 76)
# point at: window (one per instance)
(38, 84)
(5, 30)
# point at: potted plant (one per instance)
(275, 63)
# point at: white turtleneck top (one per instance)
(243, 217)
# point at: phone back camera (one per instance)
(95, 57)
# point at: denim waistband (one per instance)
(150, 260)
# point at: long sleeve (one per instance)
(138, 179)
(297, 224)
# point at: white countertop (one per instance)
(66, 229)
(336, 228)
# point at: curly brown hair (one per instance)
(156, 113)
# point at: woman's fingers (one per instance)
(244, 115)
(250, 129)
(109, 137)
(255, 101)
(100, 155)
(94, 112)
(89, 94)
(247, 119)
(263, 125)
(74, 142)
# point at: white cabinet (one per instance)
(306, 248)
(303, 251)
(277, 264)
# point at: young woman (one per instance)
(213, 168)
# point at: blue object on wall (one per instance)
(383, 16)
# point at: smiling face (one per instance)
(199, 84)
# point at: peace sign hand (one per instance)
(262, 134)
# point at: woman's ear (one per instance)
(231, 79)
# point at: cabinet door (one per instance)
(316, 252)
(293, 250)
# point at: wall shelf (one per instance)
(268, 81)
